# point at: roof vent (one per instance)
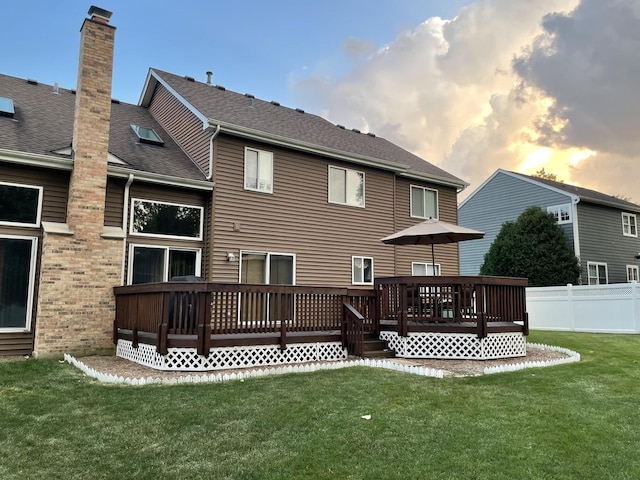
(189, 79)
(73, 91)
(30, 81)
(372, 134)
(340, 126)
(56, 88)
(209, 75)
(220, 87)
(116, 101)
(299, 110)
(355, 130)
(249, 95)
(273, 102)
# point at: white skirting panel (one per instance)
(461, 346)
(188, 360)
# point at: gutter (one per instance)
(213, 137)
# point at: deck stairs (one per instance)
(373, 347)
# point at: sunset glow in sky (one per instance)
(471, 86)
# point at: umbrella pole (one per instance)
(433, 262)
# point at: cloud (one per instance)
(508, 84)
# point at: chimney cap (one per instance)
(101, 13)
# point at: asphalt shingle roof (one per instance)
(586, 194)
(43, 123)
(238, 109)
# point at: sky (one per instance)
(471, 86)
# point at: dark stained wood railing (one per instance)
(411, 302)
(353, 329)
(200, 310)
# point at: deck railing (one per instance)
(412, 301)
(200, 310)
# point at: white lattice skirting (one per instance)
(463, 346)
(221, 358)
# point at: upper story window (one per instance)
(167, 220)
(598, 274)
(258, 170)
(362, 270)
(421, 269)
(561, 212)
(629, 228)
(20, 205)
(346, 186)
(424, 202)
(147, 135)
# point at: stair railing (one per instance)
(353, 326)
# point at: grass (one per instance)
(576, 421)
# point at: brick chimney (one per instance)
(81, 261)
(85, 209)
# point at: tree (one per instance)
(547, 176)
(534, 247)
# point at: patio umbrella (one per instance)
(430, 232)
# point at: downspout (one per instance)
(213, 137)
(576, 234)
(125, 214)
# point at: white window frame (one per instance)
(411, 201)
(556, 210)
(426, 266)
(346, 170)
(263, 156)
(166, 248)
(159, 235)
(39, 211)
(267, 271)
(629, 228)
(597, 278)
(633, 273)
(32, 282)
(360, 281)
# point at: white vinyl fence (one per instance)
(585, 308)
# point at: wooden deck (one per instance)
(204, 316)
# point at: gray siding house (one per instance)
(602, 229)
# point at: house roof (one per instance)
(218, 106)
(585, 194)
(43, 125)
(577, 193)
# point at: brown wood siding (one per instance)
(183, 126)
(160, 193)
(113, 203)
(446, 255)
(55, 185)
(298, 219)
(16, 343)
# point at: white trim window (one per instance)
(629, 225)
(346, 186)
(361, 270)
(561, 212)
(598, 274)
(258, 170)
(633, 273)
(20, 205)
(423, 269)
(17, 279)
(268, 268)
(158, 263)
(424, 202)
(166, 220)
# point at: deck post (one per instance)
(204, 323)
(403, 327)
(283, 334)
(163, 328)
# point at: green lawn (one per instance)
(577, 421)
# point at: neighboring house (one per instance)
(602, 229)
(195, 180)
